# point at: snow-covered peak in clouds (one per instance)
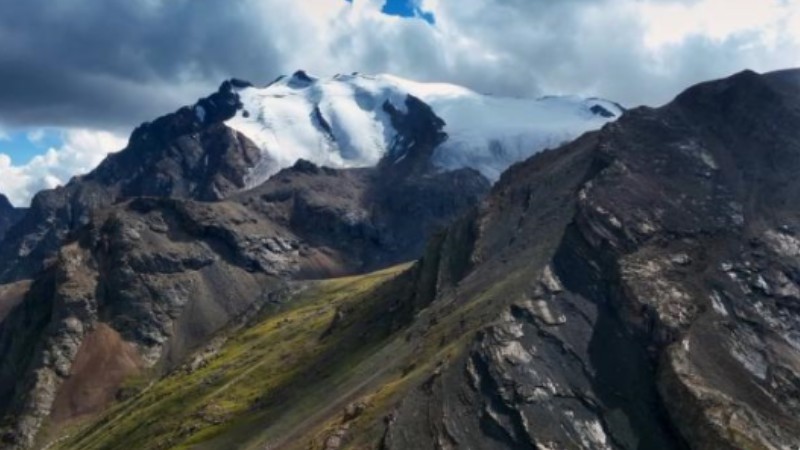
(342, 122)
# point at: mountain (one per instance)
(240, 135)
(142, 282)
(643, 284)
(8, 215)
(635, 288)
(194, 225)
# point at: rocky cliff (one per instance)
(165, 274)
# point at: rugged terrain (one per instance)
(159, 275)
(645, 287)
(349, 121)
(241, 135)
(638, 288)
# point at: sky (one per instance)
(76, 76)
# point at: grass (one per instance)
(242, 387)
(284, 381)
(439, 334)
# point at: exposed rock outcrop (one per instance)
(178, 155)
(644, 283)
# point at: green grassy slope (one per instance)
(264, 381)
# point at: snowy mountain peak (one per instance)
(298, 80)
(345, 121)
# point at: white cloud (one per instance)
(81, 151)
(674, 22)
(632, 51)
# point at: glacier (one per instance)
(341, 122)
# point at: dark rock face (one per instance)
(160, 277)
(300, 79)
(419, 132)
(8, 215)
(644, 284)
(638, 288)
(187, 154)
(360, 219)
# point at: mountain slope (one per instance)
(158, 276)
(230, 383)
(128, 254)
(636, 288)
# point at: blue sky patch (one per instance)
(22, 146)
(406, 8)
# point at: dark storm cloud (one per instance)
(113, 62)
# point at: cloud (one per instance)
(118, 62)
(82, 150)
(112, 64)
(631, 51)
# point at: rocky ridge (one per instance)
(636, 288)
